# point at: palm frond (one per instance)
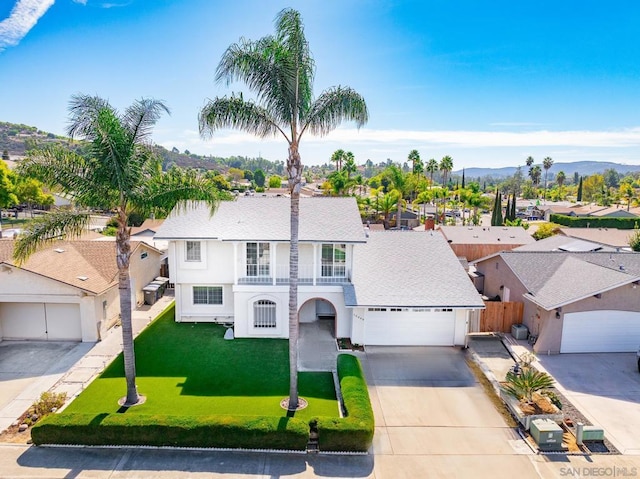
(48, 229)
(83, 115)
(334, 106)
(235, 112)
(161, 193)
(141, 116)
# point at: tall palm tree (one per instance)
(119, 174)
(414, 157)
(535, 174)
(431, 168)
(399, 181)
(337, 158)
(560, 179)
(446, 165)
(280, 70)
(546, 164)
(349, 164)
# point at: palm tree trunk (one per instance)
(123, 253)
(294, 168)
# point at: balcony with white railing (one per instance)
(328, 274)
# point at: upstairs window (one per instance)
(193, 251)
(334, 260)
(258, 259)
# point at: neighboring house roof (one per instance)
(335, 220)
(508, 235)
(561, 210)
(606, 236)
(148, 225)
(554, 279)
(409, 269)
(69, 261)
(564, 243)
(614, 212)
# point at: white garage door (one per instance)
(40, 321)
(409, 328)
(600, 332)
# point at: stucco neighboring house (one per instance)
(564, 243)
(573, 301)
(386, 288)
(473, 242)
(146, 231)
(69, 291)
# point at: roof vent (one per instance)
(83, 278)
(512, 236)
(59, 250)
(475, 236)
(621, 267)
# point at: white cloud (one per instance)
(81, 2)
(23, 17)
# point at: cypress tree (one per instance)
(496, 217)
(580, 190)
(507, 212)
(513, 208)
(463, 178)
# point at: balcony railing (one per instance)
(305, 276)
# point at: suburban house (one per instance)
(574, 301)
(565, 243)
(69, 291)
(379, 288)
(146, 231)
(473, 242)
(613, 237)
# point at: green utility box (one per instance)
(546, 433)
(592, 433)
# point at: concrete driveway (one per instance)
(29, 368)
(605, 387)
(427, 401)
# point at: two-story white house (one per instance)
(384, 288)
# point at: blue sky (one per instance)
(486, 82)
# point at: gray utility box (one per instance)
(547, 434)
(519, 331)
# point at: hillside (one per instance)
(17, 139)
(583, 168)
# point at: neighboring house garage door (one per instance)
(409, 328)
(600, 332)
(40, 321)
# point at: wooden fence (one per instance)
(500, 316)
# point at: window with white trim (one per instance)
(207, 295)
(264, 314)
(334, 260)
(193, 251)
(258, 259)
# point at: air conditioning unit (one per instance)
(519, 331)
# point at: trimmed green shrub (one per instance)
(595, 222)
(355, 431)
(248, 432)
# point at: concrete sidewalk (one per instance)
(78, 367)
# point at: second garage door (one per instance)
(600, 332)
(409, 328)
(40, 321)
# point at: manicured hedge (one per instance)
(355, 431)
(595, 222)
(248, 432)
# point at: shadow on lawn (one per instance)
(213, 366)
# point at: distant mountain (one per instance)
(583, 168)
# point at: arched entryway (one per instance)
(317, 343)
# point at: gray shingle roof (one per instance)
(563, 243)
(556, 278)
(507, 235)
(267, 219)
(409, 269)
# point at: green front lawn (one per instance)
(189, 369)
